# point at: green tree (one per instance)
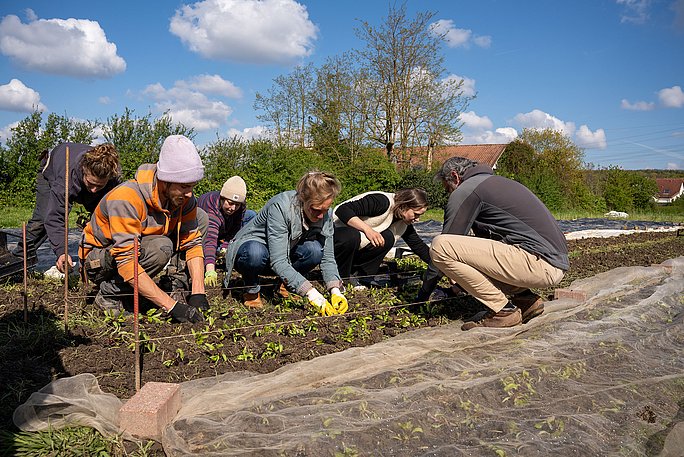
(139, 139)
(616, 189)
(642, 190)
(424, 179)
(30, 140)
(554, 172)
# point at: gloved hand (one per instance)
(319, 302)
(211, 278)
(199, 301)
(185, 313)
(338, 300)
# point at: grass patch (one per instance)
(75, 441)
(14, 216)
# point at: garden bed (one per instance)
(234, 338)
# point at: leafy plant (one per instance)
(272, 350)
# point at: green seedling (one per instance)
(245, 355)
(408, 431)
(551, 426)
(519, 387)
(272, 350)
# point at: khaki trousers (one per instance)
(489, 269)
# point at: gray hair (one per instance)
(454, 164)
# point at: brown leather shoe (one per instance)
(531, 305)
(504, 318)
(283, 292)
(252, 301)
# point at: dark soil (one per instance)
(234, 338)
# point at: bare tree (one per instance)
(409, 101)
(287, 106)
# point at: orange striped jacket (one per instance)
(133, 209)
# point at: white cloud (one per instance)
(585, 138)
(468, 86)
(474, 122)
(479, 130)
(672, 97)
(189, 106)
(15, 96)
(6, 132)
(672, 166)
(104, 100)
(212, 84)
(250, 133)
(71, 47)
(638, 106)
(98, 133)
(267, 31)
(498, 136)
(455, 37)
(537, 119)
(635, 11)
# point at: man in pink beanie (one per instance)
(157, 207)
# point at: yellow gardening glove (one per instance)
(211, 278)
(319, 302)
(339, 302)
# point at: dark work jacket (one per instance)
(54, 173)
(502, 209)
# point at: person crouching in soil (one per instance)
(368, 225)
(93, 171)
(159, 209)
(290, 235)
(226, 213)
(517, 244)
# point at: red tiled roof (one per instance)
(667, 187)
(483, 153)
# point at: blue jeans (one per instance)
(252, 260)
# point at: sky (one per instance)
(608, 73)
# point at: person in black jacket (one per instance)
(93, 171)
(368, 225)
(517, 244)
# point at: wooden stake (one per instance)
(66, 241)
(23, 237)
(136, 330)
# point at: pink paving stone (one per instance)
(571, 294)
(150, 410)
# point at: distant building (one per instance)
(483, 153)
(669, 190)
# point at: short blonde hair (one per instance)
(316, 187)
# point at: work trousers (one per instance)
(489, 269)
(156, 252)
(351, 259)
(252, 260)
(35, 228)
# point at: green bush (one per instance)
(424, 179)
